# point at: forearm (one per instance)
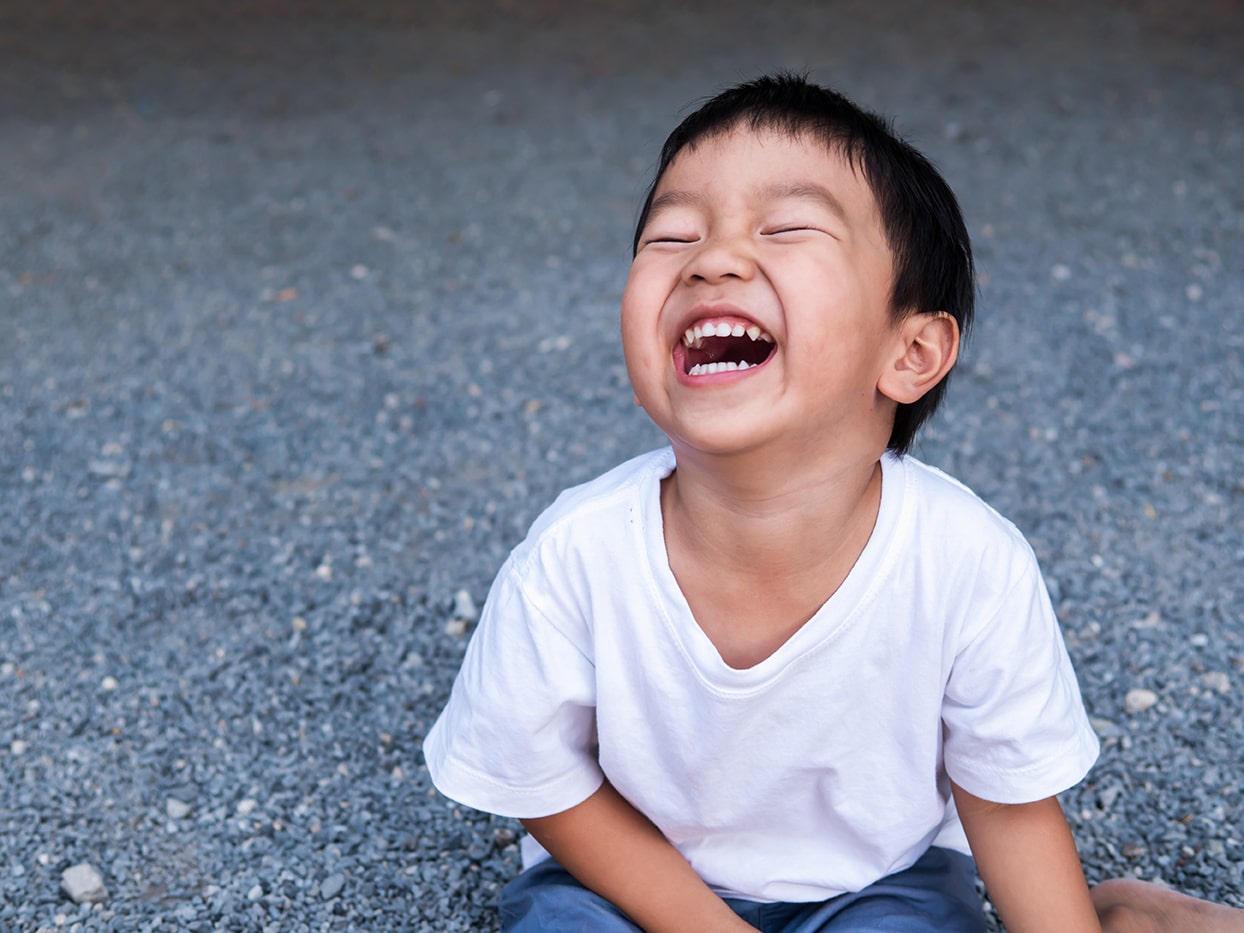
(1027, 858)
(612, 849)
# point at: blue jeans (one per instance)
(936, 895)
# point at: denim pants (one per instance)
(936, 895)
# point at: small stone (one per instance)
(1133, 850)
(176, 809)
(464, 607)
(246, 806)
(1217, 680)
(1104, 728)
(1139, 700)
(456, 627)
(1108, 795)
(109, 683)
(19, 746)
(1060, 273)
(108, 469)
(84, 884)
(255, 893)
(358, 272)
(332, 886)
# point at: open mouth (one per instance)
(724, 346)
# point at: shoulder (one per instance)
(946, 509)
(960, 540)
(592, 511)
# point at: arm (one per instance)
(612, 849)
(1029, 863)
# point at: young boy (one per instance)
(780, 675)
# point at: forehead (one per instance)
(763, 163)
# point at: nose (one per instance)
(720, 257)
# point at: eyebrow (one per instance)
(783, 191)
(673, 199)
(804, 191)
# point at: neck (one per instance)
(760, 517)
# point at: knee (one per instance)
(1117, 911)
(1121, 918)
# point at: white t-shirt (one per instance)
(817, 771)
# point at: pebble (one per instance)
(255, 893)
(464, 607)
(84, 884)
(1139, 700)
(332, 886)
(108, 469)
(1217, 680)
(176, 809)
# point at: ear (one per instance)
(928, 346)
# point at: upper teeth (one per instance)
(695, 335)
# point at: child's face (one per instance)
(758, 302)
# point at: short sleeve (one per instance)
(518, 735)
(1014, 722)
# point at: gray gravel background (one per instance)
(305, 318)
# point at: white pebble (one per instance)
(1217, 680)
(1060, 273)
(19, 746)
(246, 805)
(176, 809)
(109, 683)
(84, 884)
(1139, 700)
(255, 893)
(464, 607)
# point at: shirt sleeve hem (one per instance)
(461, 783)
(1047, 778)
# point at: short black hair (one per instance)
(923, 225)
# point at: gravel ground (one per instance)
(304, 321)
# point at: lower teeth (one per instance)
(709, 369)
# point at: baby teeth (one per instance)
(693, 335)
(709, 369)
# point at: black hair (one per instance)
(923, 225)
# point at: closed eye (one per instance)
(669, 238)
(793, 228)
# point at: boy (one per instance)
(780, 676)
